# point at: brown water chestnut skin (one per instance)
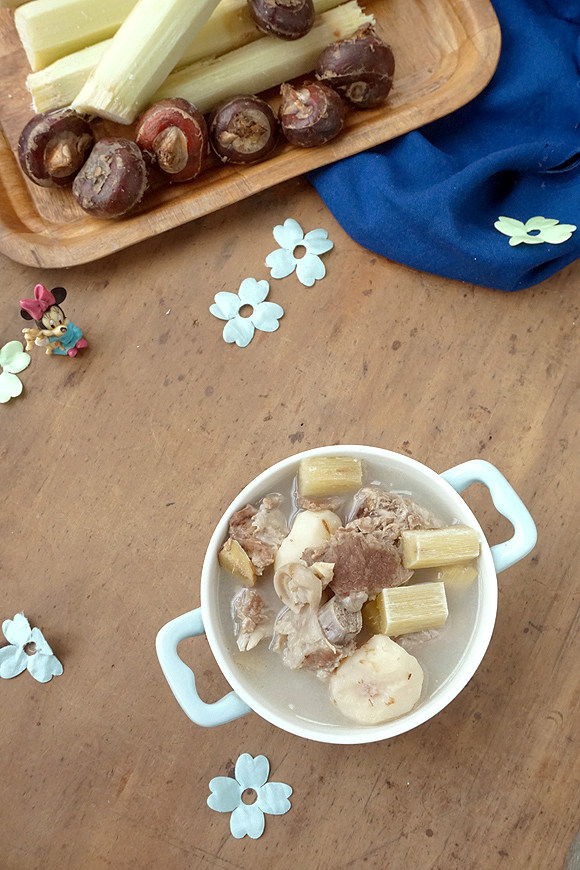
(113, 180)
(53, 146)
(286, 19)
(243, 129)
(311, 115)
(173, 134)
(360, 68)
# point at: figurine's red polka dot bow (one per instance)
(42, 301)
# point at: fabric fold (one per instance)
(429, 199)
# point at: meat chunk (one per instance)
(251, 618)
(364, 562)
(260, 531)
(339, 621)
(391, 512)
(365, 552)
(304, 643)
(329, 503)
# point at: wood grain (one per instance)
(446, 52)
(116, 467)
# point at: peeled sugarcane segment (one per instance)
(327, 475)
(57, 85)
(403, 609)
(234, 559)
(228, 28)
(140, 56)
(459, 575)
(262, 64)
(371, 617)
(430, 548)
(50, 29)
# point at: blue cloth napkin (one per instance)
(429, 199)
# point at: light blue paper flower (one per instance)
(13, 359)
(544, 230)
(42, 664)
(264, 316)
(271, 797)
(309, 268)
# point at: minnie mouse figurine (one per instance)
(54, 330)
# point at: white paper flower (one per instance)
(13, 359)
(534, 231)
(41, 663)
(283, 261)
(264, 315)
(270, 797)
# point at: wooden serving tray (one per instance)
(445, 51)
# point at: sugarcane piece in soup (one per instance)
(407, 609)
(236, 561)
(431, 548)
(459, 575)
(327, 475)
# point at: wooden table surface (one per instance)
(116, 467)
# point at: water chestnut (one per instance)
(360, 68)
(243, 129)
(311, 114)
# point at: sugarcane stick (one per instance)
(229, 27)
(262, 64)
(140, 56)
(50, 29)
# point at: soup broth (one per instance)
(301, 692)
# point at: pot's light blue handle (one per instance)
(181, 678)
(508, 503)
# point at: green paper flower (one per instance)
(309, 267)
(41, 662)
(264, 316)
(13, 359)
(270, 797)
(544, 230)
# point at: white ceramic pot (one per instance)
(455, 656)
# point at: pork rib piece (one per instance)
(251, 618)
(365, 552)
(260, 531)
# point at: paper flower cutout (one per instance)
(41, 663)
(282, 261)
(13, 359)
(264, 316)
(248, 818)
(543, 229)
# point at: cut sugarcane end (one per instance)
(327, 475)
(405, 609)
(459, 575)
(234, 559)
(430, 548)
(371, 617)
(52, 29)
(140, 56)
